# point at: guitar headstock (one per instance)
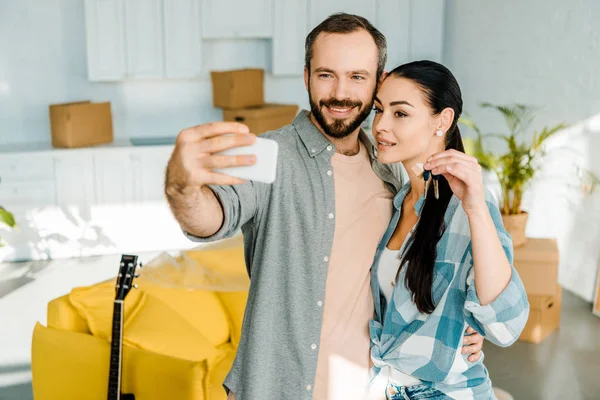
(126, 275)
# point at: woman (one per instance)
(445, 261)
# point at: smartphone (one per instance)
(265, 169)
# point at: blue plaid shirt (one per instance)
(428, 346)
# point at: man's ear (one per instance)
(306, 78)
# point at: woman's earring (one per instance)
(440, 133)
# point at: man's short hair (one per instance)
(346, 23)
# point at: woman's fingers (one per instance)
(451, 159)
(457, 170)
(454, 154)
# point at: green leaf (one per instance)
(518, 117)
(540, 138)
(467, 121)
(6, 218)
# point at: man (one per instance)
(310, 237)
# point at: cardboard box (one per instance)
(544, 317)
(537, 264)
(264, 118)
(238, 88)
(80, 124)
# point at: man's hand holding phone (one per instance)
(222, 153)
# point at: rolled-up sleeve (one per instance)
(502, 320)
(240, 204)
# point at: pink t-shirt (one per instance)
(364, 209)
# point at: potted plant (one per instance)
(6, 219)
(514, 168)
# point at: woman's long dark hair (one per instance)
(441, 91)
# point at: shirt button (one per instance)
(325, 258)
(329, 148)
(309, 387)
(313, 150)
(313, 346)
(330, 216)
(320, 303)
(329, 173)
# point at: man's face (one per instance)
(342, 81)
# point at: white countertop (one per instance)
(42, 147)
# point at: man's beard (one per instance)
(340, 128)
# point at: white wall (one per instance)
(545, 53)
(43, 61)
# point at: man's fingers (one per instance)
(470, 349)
(224, 142)
(472, 339)
(218, 161)
(222, 179)
(474, 357)
(211, 129)
(470, 330)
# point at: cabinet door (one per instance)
(321, 9)
(74, 176)
(149, 167)
(105, 40)
(393, 20)
(223, 19)
(143, 24)
(426, 30)
(182, 38)
(290, 27)
(113, 177)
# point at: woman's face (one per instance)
(404, 125)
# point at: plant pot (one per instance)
(515, 225)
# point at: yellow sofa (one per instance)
(177, 343)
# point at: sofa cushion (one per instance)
(235, 303)
(71, 365)
(149, 323)
(95, 304)
(201, 309)
(62, 315)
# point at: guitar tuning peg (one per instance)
(136, 276)
(140, 266)
(134, 286)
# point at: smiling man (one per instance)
(311, 236)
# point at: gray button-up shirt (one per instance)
(287, 241)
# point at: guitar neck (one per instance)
(114, 377)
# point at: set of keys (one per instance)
(420, 172)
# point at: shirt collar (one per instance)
(399, 199)
(315, 141)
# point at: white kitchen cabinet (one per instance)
(149, 168)
(105, 40)
(427, 30)
(226, 19)
(321, 9)
(290, 27)
(182, 38)
(74, 180)
(113, 182)
(144, 38)
(393, 20)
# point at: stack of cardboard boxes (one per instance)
(240, 93)
(537, 264)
